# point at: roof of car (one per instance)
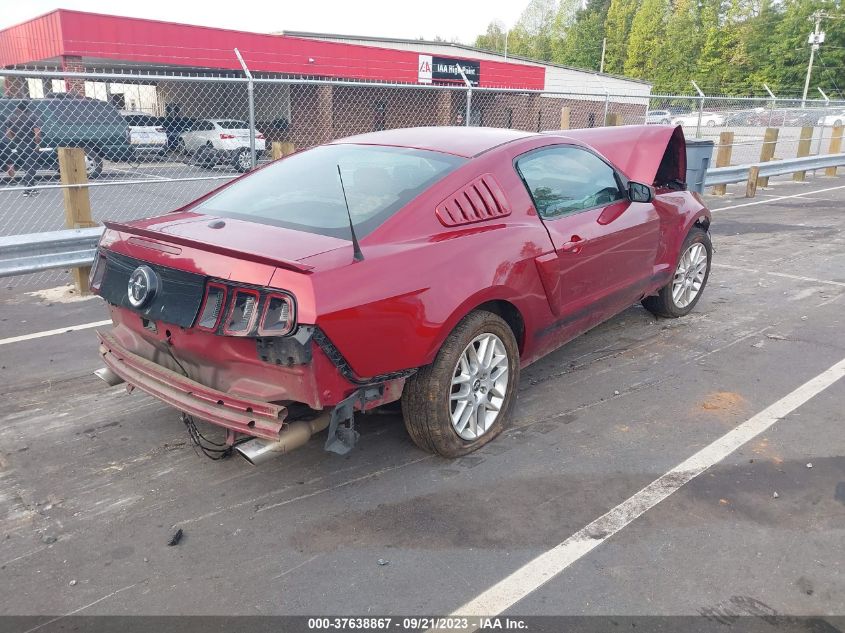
(457, 140)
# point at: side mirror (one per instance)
(639, 192)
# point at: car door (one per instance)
(605, 245)
(194, 137)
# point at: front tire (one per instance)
(464, 398)
(679, 296)
(242, 161)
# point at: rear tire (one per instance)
(674, 300)
(242, 161)
(432, 397)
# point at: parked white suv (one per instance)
(225, 140)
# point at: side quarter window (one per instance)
(564, 180)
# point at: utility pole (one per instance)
(603, 48)
(815, 40)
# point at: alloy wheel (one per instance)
(689, 275)
(244, 160)
(479, 386)
(90, 165)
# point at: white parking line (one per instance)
(549, 564)
(134, 172)
(814, 280)
(768, 200)
(62, 330)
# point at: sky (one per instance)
(448, 19)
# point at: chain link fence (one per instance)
(155, 142)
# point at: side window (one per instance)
(565, 180)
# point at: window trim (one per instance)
(621, 180)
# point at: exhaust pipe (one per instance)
(293, 436)
(108, 376)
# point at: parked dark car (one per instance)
(95, 126)
(743, 118)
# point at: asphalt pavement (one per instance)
(94, 482)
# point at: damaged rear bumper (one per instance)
(242, 415)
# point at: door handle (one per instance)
(573, 245)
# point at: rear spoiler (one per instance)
(211, 248)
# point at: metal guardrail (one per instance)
(72, 248)
(739, 173)
(34, 252)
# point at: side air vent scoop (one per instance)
(480, 200)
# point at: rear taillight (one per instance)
(212, 307)
(242, 313)
(226, 137)
(278, 318)
(98, 271)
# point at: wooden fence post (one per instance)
(77, 202)
(723, 158)
(564, 117)
(753, 179)
(279, 149)
(767, 152)
(804, 142)
(835, 148)
(613, 118)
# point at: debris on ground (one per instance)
(809, 465)
(177, 536)
(383, 562)
(72, 583)
(775, 495)
(776, 337)
(48, 539)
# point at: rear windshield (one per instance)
(303, 191)
(233, 125)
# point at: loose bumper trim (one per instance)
(251, 417)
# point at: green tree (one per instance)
(648, 31)
(533, 33)
(620, 15)
(680, 49)
(582, 42)
(493, 39)
(790, 50)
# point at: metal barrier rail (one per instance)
(740, 173)
(34, 252)
(72, 248)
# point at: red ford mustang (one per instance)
(426, 265)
